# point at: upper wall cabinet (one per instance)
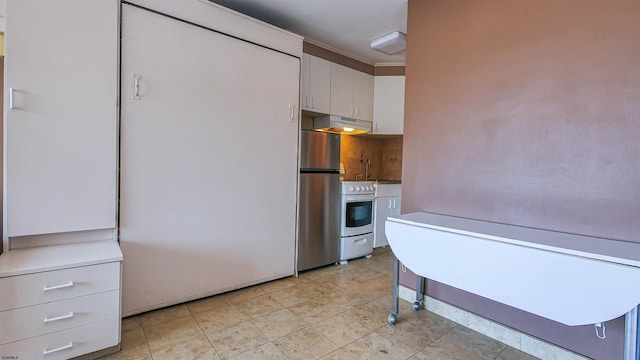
(351, 93)
(61, 116)
(388, 105)
(316, 84)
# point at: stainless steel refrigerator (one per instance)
(319, 213)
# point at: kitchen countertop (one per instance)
(388, 182)
(376, 181)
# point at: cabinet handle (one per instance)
(11, 107)
(48, 288)
(292, 112)
(68, 316)
(356, 107)
(389, 203)
(306, 102)
(394, 203)
(65, 347)
(136, 87)
(313, 104)
(351, 110)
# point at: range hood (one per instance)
(342, 125)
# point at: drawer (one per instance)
(356, 246)
(65, 344)
(42, 319)
(386, 190)
(39, 288)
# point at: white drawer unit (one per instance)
(60, 301)
(50, 286)
(58, 315)
(67, 343)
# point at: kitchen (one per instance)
(475, 145)
(370, 162)
(367, 111)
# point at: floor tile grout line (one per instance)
(500, 353)
(206, 337)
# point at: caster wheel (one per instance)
(416, 306)
(393, 319)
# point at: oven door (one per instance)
(357, 215)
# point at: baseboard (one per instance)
(515, 339)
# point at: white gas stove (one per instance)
(356, 224)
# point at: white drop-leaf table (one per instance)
(564, 277)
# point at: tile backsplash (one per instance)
(384, 152)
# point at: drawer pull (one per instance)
(69, 284)
(65, 347)
(68, 316)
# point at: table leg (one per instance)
(393, 317)
(631, 342)
(419, 293)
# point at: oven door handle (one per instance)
(358, 198)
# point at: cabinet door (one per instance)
(209, 161)
(382, 210)
(342, 91)
(388, 105)
(363, 95)
(61, 115)
(320, 85)
(305, 82)
(315, 83)
(396, 203)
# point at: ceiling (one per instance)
(344, 26)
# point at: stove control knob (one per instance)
(351, 188)
(358, 188)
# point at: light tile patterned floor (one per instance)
(335, 312)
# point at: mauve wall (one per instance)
(526, 113)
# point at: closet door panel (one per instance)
(61, 115)
(208, 161)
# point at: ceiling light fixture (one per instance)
(390, 43)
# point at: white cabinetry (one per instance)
(208, 159)
(61, 91)
(387, 203)
(60, 301)
(363, 95)
(351, 93)
(388, 105)
(315, 84)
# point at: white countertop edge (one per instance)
(584, 254)
(48, 258)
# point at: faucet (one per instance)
(366, 169)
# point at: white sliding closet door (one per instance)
(208, 161)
